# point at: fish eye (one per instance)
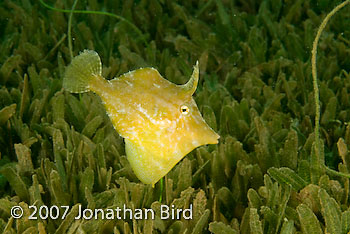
(184, 110)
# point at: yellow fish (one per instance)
(159, 120)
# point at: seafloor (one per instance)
(255, 90)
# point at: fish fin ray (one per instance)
(83, 68)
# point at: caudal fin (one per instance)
(82, 69)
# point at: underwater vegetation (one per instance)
(255, 90)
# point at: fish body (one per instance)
(159, 120)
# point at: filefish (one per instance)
(159, 120)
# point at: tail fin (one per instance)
(82, 69)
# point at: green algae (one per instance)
(256, 90)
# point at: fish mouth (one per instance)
(216, 141)
(212, 137)
(205, 136)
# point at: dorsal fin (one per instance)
(191, 86)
